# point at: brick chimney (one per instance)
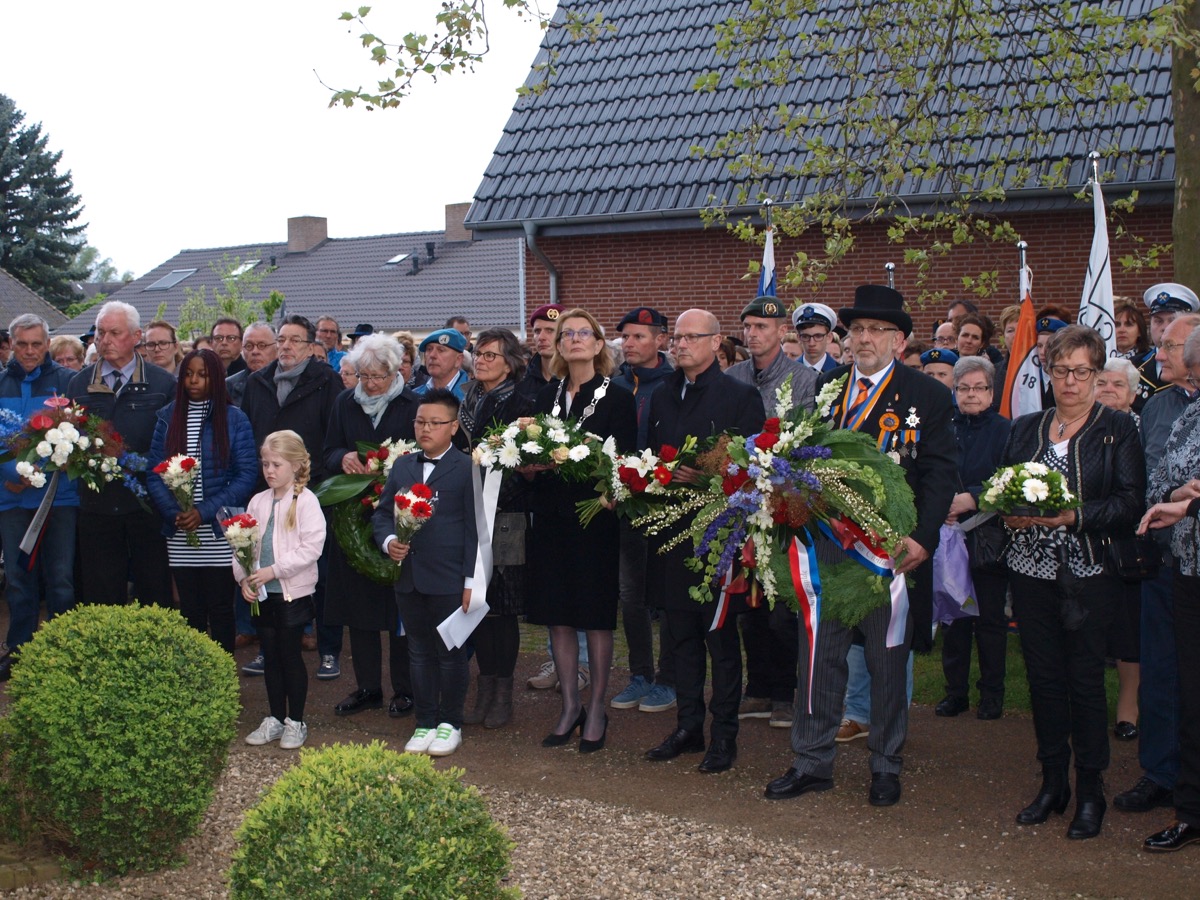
(456, 214)
(306, 233)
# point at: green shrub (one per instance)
(119, 724)
(365, 821)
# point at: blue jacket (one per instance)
(642, 382)
(24, 394)
(229, 486)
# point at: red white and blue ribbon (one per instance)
(860, 549)
(802, 561)
(727, 587)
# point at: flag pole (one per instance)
(1021, 248)
(1094, 156)
(890, 268)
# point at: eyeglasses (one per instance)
(375, 379)
(226, 338)
(422, 424)
(158, 345)
(972, 388)
(691, 338)
(292, 341)
(1170, 346)
(875, 330)
(489, 355)
(941, 341)
(1081, 373)
(812, 338)
(583, 334)
(257, 345)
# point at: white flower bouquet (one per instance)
(540, 440)
(1027, 489)
(241, 531)
(179, 474)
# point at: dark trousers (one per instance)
(439, 675)
(1187, 640)
(769, 639)
(206, 600)
(283, 662)
(990, 631)
(497, 642)
(813, 732)
(635, 612)
(690, 643)
(1066, 669)
(1158, 689)
(115, 548)
(329, 637)
(366, 649)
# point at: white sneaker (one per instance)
(271, 729)
(420, 741)
(446, 741)
(584, 679)
(294, 735)
(545, 677)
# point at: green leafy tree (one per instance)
(234, 297)
(99, 271)
(39, 213)
(886, 133)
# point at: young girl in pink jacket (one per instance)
(293, 533)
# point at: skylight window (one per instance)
(170, 280)
(397, 259)
(244, 267)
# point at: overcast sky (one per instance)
(205, 125)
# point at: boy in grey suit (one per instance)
(436, 571)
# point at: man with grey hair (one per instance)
(258, 351)
(117, 534)
(45, 572)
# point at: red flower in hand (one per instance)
(41, 422)
(421, 490)
(402, 501)
(187, 464)
(771, 425)
(160, 468)
(662, 475)
(730, 484)
(638, 484)
(624, 473)
(766, 440)
(366, 501)
(668, 453)
(422, 510)
(377, 488)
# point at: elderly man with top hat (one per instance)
(442, 352)
(1164, 302)
(910, 415)
(542, 324)
(814, 323)
(643, 334)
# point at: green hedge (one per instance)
(119, 725)
(364, 821)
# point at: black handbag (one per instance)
(986, 546)
(508, 539)
(1133, 559)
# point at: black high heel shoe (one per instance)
(586, 746)
(553, 739)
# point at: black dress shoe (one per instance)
(679, 741)
(1089, 816)
(1143, 797)
(401, 705)
(885, 789)
(951, 707)
(1171, 839)
(792, 784)
(554, 739)
(1046, 802)
(1125, 731)
(990, 708)
(586, 746)
(720, 756)
(358, 701)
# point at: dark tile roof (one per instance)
(347, 278)
(16, 300)
(607, 145)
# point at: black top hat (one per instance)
(362, 331)
(876, 301)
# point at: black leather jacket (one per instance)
(1111, 503)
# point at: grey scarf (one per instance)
(374, 406)
(285, 382)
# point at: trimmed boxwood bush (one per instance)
(119, 724)
(364, 821)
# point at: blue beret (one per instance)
(938, 355)
(447, 337)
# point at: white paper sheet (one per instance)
(459, 625)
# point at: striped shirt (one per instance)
(213, 550)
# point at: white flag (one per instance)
(1096, 306)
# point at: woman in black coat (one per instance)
(574, 570)
(492, 399)
(379, 408)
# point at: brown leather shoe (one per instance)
(245, 640)
(851, 730)
(308, 642)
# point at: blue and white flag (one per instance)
(766, 276)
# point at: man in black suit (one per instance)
(698, 399)
(909, 414)
(437, 570)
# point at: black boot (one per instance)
(1089, 807)
(1054, 796)
(501, 709)
(485, 693)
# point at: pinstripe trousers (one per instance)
(813, 733)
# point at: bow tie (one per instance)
(425, 459)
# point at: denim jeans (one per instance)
(54, 567)
(583, 654)
(439, 675)
(1158, 690)
(858, 685)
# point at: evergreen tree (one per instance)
(39, 229)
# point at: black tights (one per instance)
(564, 647)
(497, 641)
(283, 663)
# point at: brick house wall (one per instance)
(672, 271)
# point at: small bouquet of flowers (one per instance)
(179, 474)
(241, 531)
(1027, 489)
(64, 439)
(631, 480)
(414, 508)
(540, 440)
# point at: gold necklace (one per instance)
(1062, 426)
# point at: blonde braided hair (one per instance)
(291, 447)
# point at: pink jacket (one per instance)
(296, 549)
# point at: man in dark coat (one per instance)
(910, 416)
(117, 535)
(700, 400)
(542, 324)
